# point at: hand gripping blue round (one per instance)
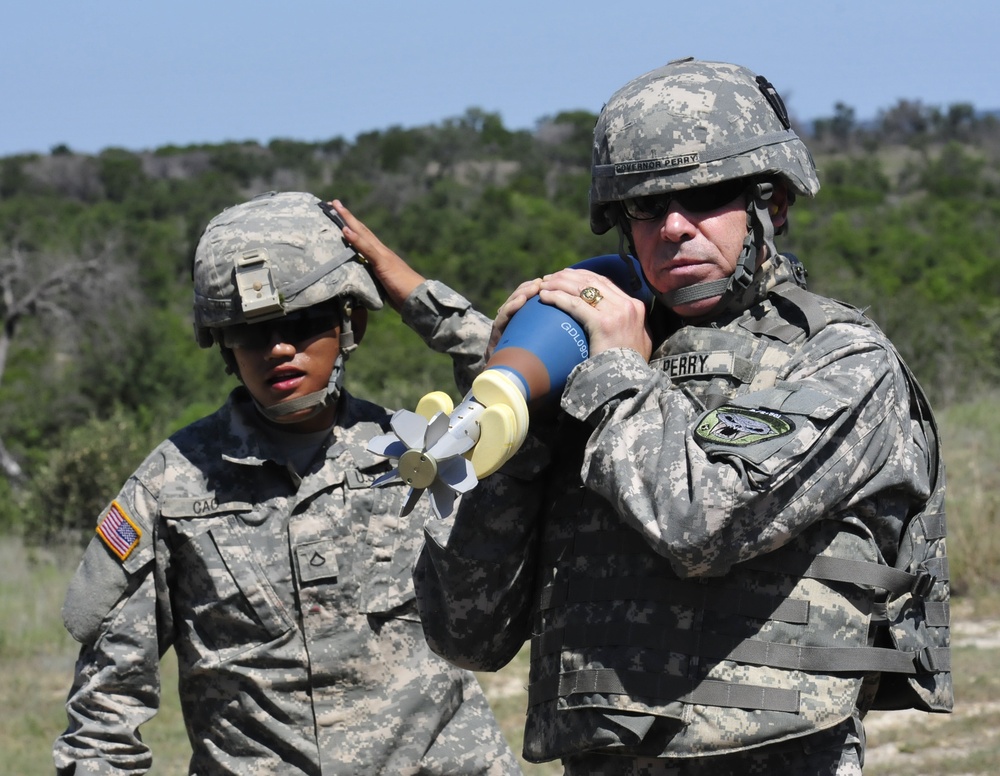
(542, 344)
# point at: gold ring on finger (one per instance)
(591, 296)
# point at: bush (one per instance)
(11, 509)
(81, 476)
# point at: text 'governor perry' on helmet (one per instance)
(278, 254)
(693, 123)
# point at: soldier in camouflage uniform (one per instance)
(251, 543)
(728, 545)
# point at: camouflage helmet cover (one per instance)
(270, 256)
(692, 123)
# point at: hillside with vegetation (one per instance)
(97, 358)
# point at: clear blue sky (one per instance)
(140, 75)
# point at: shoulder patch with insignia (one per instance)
(740, 427)
(118, 531)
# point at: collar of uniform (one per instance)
(244, 445)
(250, 444)
(357, 422)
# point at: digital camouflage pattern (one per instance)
(448, 323)
(692, 123)
(674, 544)
(289, 602)
(275, 254)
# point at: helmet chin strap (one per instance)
(326, 397)
(760, 234)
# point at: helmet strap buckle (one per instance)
(347, 340)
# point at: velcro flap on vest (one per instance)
(803, 400)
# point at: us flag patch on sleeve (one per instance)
(118, 531)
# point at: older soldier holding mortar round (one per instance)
(728, 543)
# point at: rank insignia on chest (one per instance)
(118, 531)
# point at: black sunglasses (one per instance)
(294, 328)
(703, 199)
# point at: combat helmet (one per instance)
(278, 254)
(694, 123)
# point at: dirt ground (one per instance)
(912, 741)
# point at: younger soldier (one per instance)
(252, 544)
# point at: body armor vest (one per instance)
(785, 645)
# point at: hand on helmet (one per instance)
(397, 278)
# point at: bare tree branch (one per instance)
(9, 465)
(47, 287)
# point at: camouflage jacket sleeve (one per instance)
(474, 574)
(474, 577)
(837, 434)
(116, 608)
(447, 322)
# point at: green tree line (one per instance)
(97, 358)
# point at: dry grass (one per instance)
(971, 437)
(964, 742)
